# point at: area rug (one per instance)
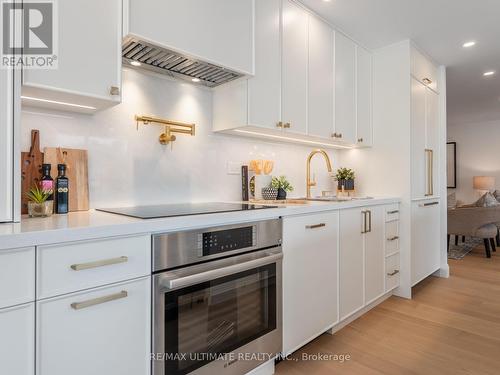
(462, 249)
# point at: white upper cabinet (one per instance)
(6, 142)
(432, 141)
(418, 142)
(294, 71)
(424, 70)
(311, 85)
(89, 58)
(345, 89)
(264, 90)
(425, 148)
(364, 129)
(216, 31)
(321, 79)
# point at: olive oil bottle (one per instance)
(62, 190)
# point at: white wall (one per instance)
(129, 167)
(478, 154)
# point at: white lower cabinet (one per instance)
(309, 277)
(17, 340)
(362, 258)
(374, 254)
(99, 331)
(351, 294)
(425, 234)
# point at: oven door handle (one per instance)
(202, 277)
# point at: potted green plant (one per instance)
(345, 179)
(39, 204)
(283, 186)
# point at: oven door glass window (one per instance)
(218, 316)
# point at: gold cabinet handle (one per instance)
(114, 90)
(393, 273)
(429, 204)
(363, 229)
(99, 300)
(315, 226)
(392, 212)
(430, 172)
(279, 124)
(98, 263)
(287, 125)
(427, 81)
(393, 238)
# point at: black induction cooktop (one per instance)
(182, 209)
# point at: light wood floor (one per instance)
(452, 326)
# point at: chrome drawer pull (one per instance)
(98, 301)
(98, 263)
(392, 212)
(315, 226)
(393, 238)
(393, 273)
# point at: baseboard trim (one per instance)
(443, 272)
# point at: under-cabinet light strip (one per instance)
(291, 139)
(57, 102)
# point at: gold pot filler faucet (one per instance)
(312, 182)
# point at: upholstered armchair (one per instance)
(479, 222)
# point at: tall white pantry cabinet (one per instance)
(408, 161)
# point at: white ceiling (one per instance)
(439, 27)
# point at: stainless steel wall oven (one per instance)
(217, 299)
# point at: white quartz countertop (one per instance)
(77, 226)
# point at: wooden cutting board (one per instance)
(76, 170)
(31, 168)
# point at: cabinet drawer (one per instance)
(392, 212)
(65, 268)
(391, 237)
(100, 331)
(17, 276)
(392, 272)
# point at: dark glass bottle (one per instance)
(62, 190)
(47, 182)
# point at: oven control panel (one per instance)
(210, 243)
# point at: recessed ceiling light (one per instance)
(469, 44)
(195, 80)
(135, 63)
(490, 73)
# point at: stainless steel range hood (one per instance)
(165, 61)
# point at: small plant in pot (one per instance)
(345, 179)
(39, 204)
(283, 186)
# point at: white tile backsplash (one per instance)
(129, 166)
